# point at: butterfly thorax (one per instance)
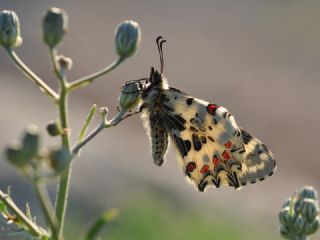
(153, 94)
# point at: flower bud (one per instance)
(308, 192)
(129, 96)
(300, 225)
(314, 226)
(59, 159)
(53, 129)
(128, 36)
(309, 209)
(15, 155)
(284, 232)
(30, 142)
(285, 217)
(54, 26)
(9, 29)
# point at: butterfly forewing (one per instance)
(211, 148)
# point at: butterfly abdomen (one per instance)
(159, 139)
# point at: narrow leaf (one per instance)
(103, 220)
(87, 122)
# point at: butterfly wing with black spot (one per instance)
(212, 149)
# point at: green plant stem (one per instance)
(64, 182)
(104, 124)
(47, 208)
(53, 55)
(32, 227)
(90, 78)
(63, 190)
(31, 75)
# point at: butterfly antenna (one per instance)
(160, 42)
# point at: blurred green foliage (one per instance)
(153, 217)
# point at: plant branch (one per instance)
(53, 56)
(104, 124)
(31, 75)
(32, 227)
(90, 78)
(46, 206)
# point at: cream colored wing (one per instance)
(212, 149)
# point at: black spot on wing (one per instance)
(246, 137)
(203, 140)
(196, 142)
(168, 108)
(193, 129)
(202, 185)
(189, 101)
(180, 119)
(216, 182)
(187, 144)
(183, 146)
(175, 122)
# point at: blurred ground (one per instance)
(260, 59)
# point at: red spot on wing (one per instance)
(226, 155)
(191, 166)
(204, 169)
(228, 144)
(215, 161)
(211, 108)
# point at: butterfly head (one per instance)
(156, 80)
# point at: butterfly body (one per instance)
(212, 149)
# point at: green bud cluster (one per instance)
(59, 159)
(9, 29)
(127, 39)
(299, 216)
(22, 153)
(129, 96)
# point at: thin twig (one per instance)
(47, 207)
(53, 56)
(90, 78)
(31, 75)
(32, 227)
(104, 124)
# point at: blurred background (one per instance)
(259, 59)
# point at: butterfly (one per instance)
(212, 149)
